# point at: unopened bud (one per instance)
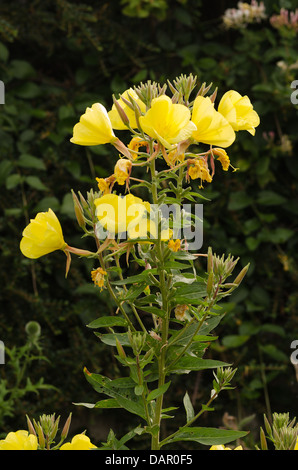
(120, 349)
(241, 275)
(66, 427)
(30, 426)
(78, 210)
(121, 112)
(263, 440)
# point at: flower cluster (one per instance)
(41, 435)
(243, 15)
(285, 20)
(160, 127)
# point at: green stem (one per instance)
(164, 323)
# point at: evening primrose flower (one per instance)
(42, 236)
(222, 447)
(78, 442)
(174, 245)
(118, 214)
(212, 127)
(239, 112)
(115, 118)
(147, 228)
(19, 440)
(94, 127)
(166, 122)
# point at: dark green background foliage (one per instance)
(56, 58)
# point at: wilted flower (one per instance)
(98, 277)
(42, 235)
(122, 170)
(197, 168)
(181, 311)
(222, 157)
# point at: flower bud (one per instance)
(241, 274)
(78, 210)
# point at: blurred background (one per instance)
(56, 58)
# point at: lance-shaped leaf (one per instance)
(122, 390)
(207, 436)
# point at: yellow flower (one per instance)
(94, 128)
(114, 116)
(43, 235)
(212, 127)
(122, 170)
(19, 440)
(197, 168)
(78, 442)
(174, 245)
(166, 122)
(239, 111)
(221, 447)
(98, 277)
(119, 214)
(147, 228)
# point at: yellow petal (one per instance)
(238, 110)
(94, 128)
(42, 236)
(166, 122)
(212, 127)
(78, 442)
(118, 214)
(114, 116)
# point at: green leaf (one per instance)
(155, 311)
(5, 168)
(107, 322)
(124, 396)
(108, 403)
(137, 278)
(28, 161)
(270, 198)
(208, 436)
(239, 200)
(188, 363)
(13, 180)
(234, 341)
(36, 183)
(188, 408)
(110, 338)
(190, 294)
(158, 391)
